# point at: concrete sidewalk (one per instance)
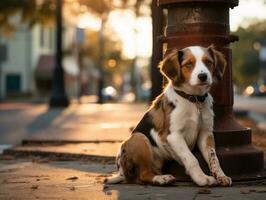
(89, 134)
(79, 122)
(45, 179)
(80, 131)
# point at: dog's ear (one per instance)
(219, 62)
(170, 66)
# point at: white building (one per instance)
(24, 49)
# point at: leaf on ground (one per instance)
(72, 178)
(244, 191)
(4, 181)
(204, 191)
(34, 187)
(216, 196)
(72, 188)
(105, 187)
(261, 191)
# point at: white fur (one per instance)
(163, 179)
(119, 177)
(162, 150)
(200, 67)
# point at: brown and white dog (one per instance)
(178, 119)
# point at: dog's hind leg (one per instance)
(142, 157)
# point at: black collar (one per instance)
(192, 98)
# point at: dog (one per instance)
(178, 119)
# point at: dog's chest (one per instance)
(185, 119)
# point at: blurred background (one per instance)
(107, 47)
(102, 39)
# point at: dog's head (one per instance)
(193, 66)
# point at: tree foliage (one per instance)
(246, 64)
(31, 11)
(43, 11)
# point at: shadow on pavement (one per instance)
(43, 121)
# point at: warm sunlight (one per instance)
(89, 21)
(247, 10)
(136, 34)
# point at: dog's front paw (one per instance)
(224, 181)
(206, 181)
(166, 179)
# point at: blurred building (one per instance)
(28, 61)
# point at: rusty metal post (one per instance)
(206, 22)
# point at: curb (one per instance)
(53, 142)
(59, 156)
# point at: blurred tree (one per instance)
(102, 8)
(42, 11)
(31, 11)
(246, 62)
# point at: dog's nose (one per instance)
(202, 77)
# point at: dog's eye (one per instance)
(208, 63)
(189, 65)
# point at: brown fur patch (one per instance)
(186, 73)
(188, 58)
(160, 115)
(170, 67)
(212, 155)
(213, 163)
(210, 142)
(137, 159)
(219, 62)
(208, 61)
(188, 64)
